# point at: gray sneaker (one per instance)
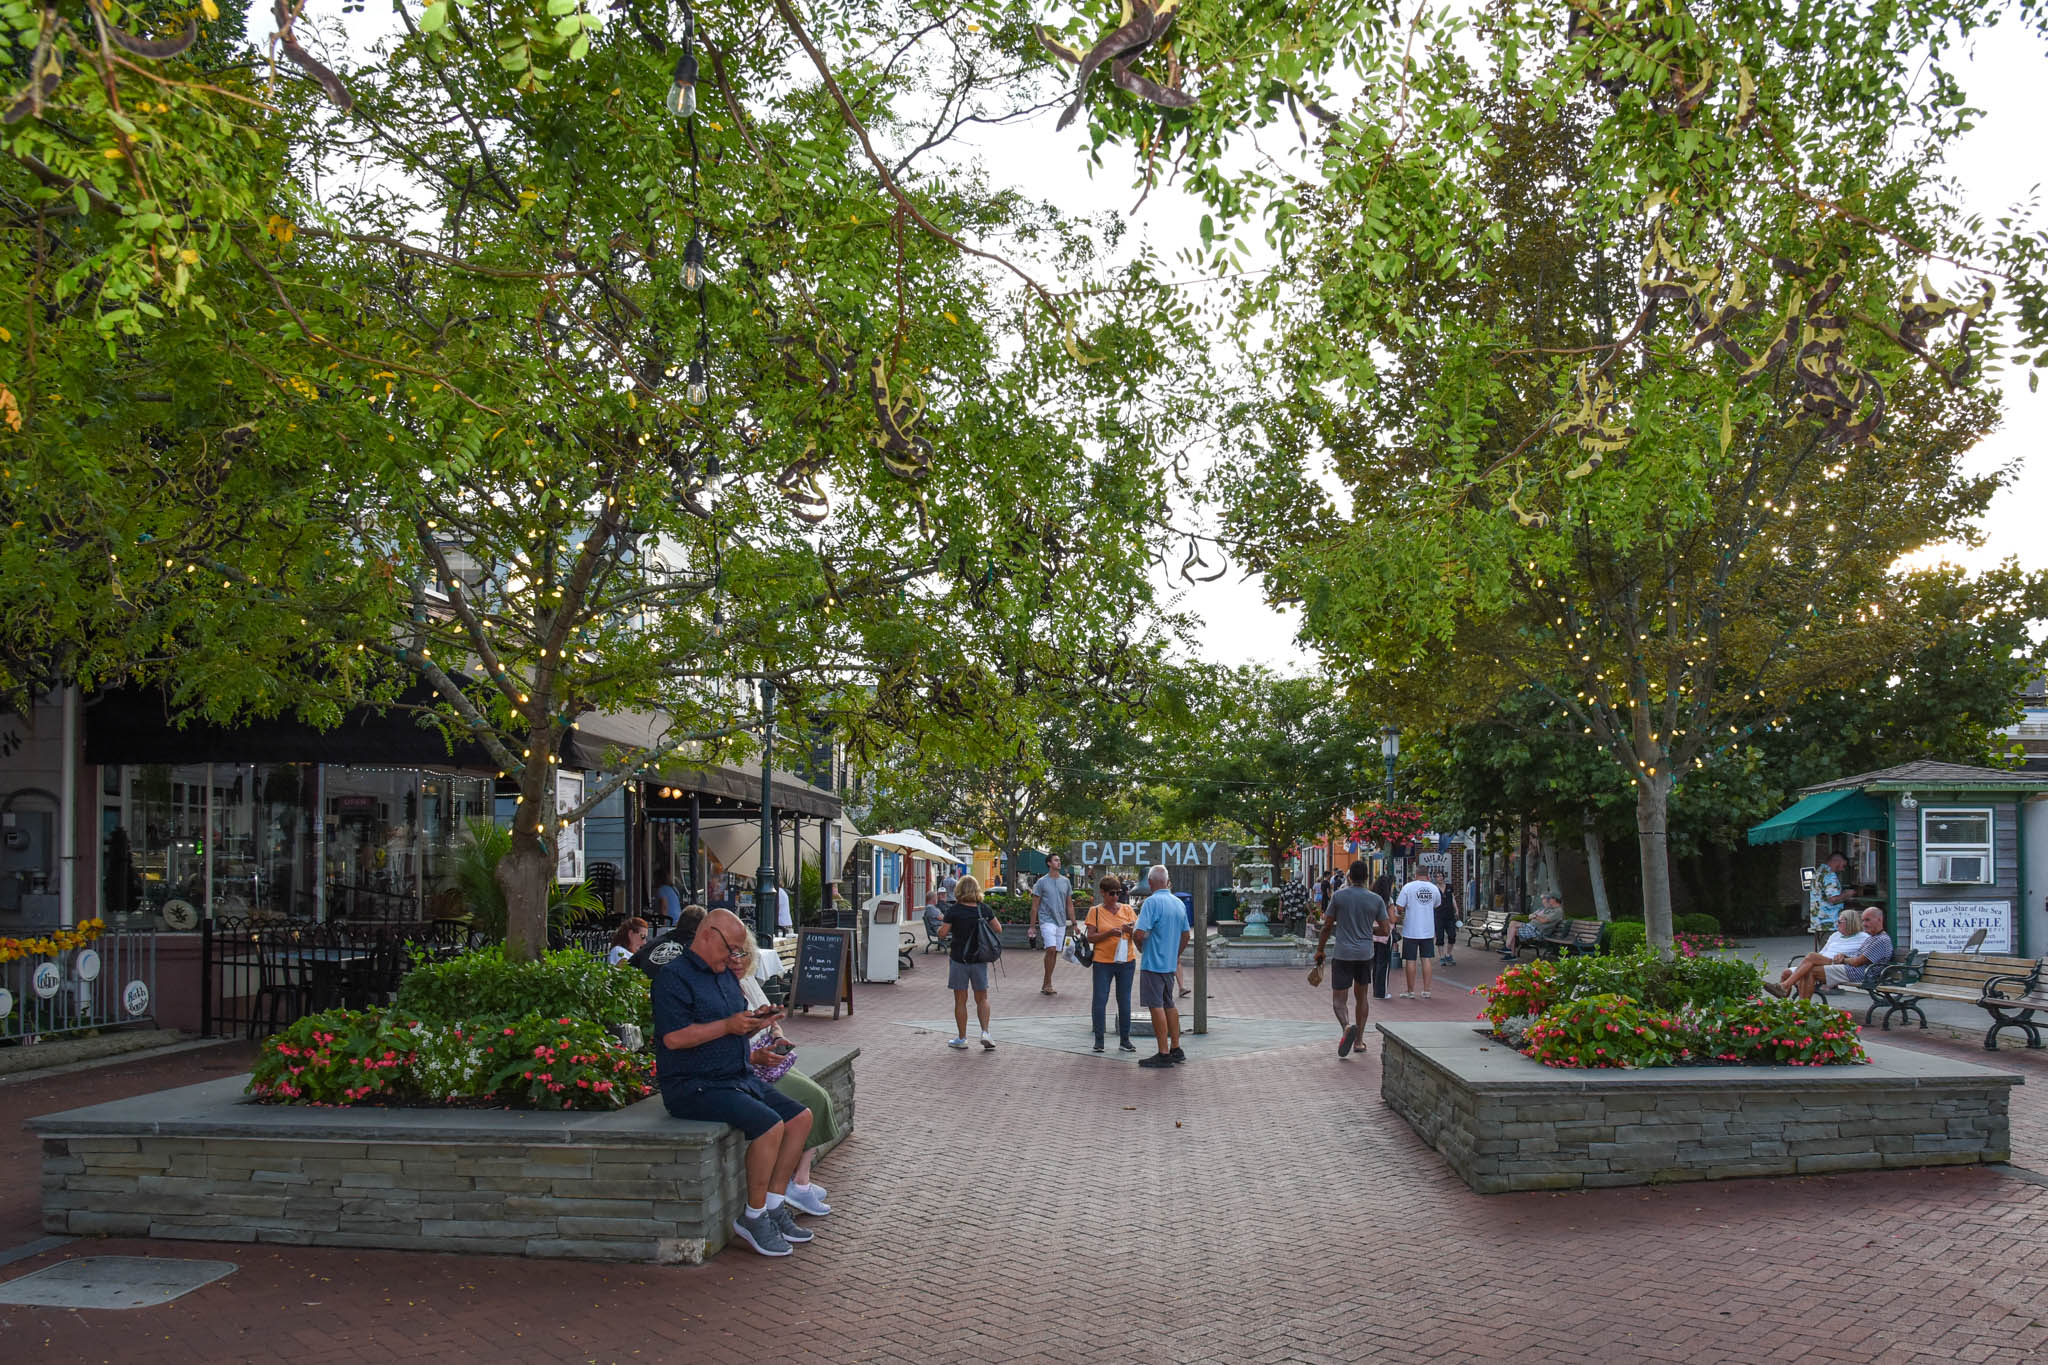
(762, 1233)
(785, 1219)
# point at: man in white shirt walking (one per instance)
(1415, 912)
(1052, 902)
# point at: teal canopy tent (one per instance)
(1835, 812)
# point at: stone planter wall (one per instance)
(200, 1163)
(1506, 1123)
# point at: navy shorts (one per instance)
(1155, 991)
(749, 1105)
(1412, 948)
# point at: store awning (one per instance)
(1836, 812)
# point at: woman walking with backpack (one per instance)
(976, 939)
(1108, 928)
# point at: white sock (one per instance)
(753, 1212)
(774, 1202)
(984, 1033)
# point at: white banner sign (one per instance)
(1945, 926)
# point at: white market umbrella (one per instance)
(910, 841)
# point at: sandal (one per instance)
(1047, 990)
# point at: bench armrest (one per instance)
(2021, 985)
(1892, 974)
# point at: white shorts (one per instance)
(1052, 933)
(1836, 974)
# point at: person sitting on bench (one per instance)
(1840, 968)
(1537, 927)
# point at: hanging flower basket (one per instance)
(1382, 823)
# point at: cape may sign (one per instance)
(1145, 852)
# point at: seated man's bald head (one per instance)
(719, 930)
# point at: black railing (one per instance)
(257, 976)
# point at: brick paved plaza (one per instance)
(1271, 1210)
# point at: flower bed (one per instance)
(474, 1031)
(1641, 1010)
(55, 942)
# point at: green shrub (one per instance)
(337, 1057)
(1624, 936)
(347, 1057)
(1604, 1030)
(1661, 983)
(1794, 1032)
(1696, 924)
(483, 985)
(563, 1063)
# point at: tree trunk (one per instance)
(523, 876)
(527, 868)
(1596, 871)
(1653, 810)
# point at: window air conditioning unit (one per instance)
(1947, 868)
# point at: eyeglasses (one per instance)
(730, 950)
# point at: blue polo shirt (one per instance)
(1164, 919)
(688, 992)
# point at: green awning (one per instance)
(1836, 812)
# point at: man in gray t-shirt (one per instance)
(1355, 915)
(1052, 903)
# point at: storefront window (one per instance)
(373, 843)
(166, 822)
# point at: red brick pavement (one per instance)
(1266, 1208)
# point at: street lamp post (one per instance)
(1390, 749)
(765, 899)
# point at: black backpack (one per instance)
(987, 943)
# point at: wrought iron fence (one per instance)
(257, 976)
(109, 984)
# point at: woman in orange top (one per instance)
(1108, 927)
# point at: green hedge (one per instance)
(1696, 924)
(1625, 936)
(484, 985)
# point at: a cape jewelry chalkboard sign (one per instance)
(824, 970)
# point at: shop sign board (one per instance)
(1945, 926)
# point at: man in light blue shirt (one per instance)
(1163, 933)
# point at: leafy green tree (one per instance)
(565, 395)
(1625, 452)
(1275, 757)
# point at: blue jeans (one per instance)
(1120, 973)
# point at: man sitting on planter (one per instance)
(1839, 969)
(703, 1023)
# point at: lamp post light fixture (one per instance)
(1390, 749)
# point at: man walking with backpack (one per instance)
(969, 956)
(1163, 933)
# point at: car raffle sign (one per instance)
(1946, 926)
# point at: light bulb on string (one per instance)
(693, 261)
(695, 388)
(682, 90)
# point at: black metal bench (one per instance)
(2009, 989)
(1486, 928)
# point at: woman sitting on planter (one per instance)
(630, 939)
(773, 1058)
